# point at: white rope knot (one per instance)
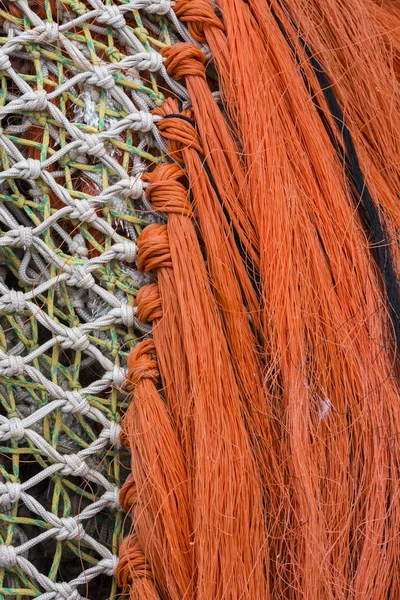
(69, 529)
(131, 187)
(75, 466)
(34, 100)
(117, 376)
(112, 433)
(28, 169)
(23, 237)
(112, 498)
(76, 403)
(140, 121)
(101, 77)
(111, 16)
(73, 338)
(128, 314)
(13, 428)
(48, 32)
(157, 7)
(12, 302)
(5, 62)
(65, 592)
(83, 211)
(126, 251)
(144, 61)
(109, 565)
(93, 146)
(12, 366)
(8, 556)
(80, 278)
(10, 492)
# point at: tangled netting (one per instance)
(78, 84)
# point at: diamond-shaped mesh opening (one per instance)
(78, 82)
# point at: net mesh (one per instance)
(78, 82)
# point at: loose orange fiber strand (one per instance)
(226, 496)
(231, 286)
(160, 503)
(325, 315)
(270, 463)
(186, 61)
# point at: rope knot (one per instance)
(165, 192)
(74, 338)
(8, 556)
(112, 433)
(178, 128)
(75, 466)
(199, 15)
(157, 7)
(183, 60)
(10, 492)
(128, 314)
(93, 146)
(148, 303)
(34, 100)
(48, 32)
(141, 365)
(80, 278)
(132, 563)
(112, 498)
(12, 366)
(143, 61)
(83, 211)
(111, 16)
(69, 529)
(125, 251)
(65, 592)
(153, 248)
(23, 237)
(101, 77)
(141, 121)
(76, 403)
(12, 302)
(131, 187)
(28, 169)
(117, 376)
(109, 565)
(12, 428)
(5, 62)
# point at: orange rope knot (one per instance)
(179, 132)
(165, 192)
(141, 365)
(148, 303)
(132, 563)
(199, 15)
(128, 494)
(153, 248)
(184, 60)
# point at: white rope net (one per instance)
(78, 83)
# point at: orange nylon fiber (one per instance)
(325, 323)
(362, 58)
(133, 573)
(222, 156)
(160, 507)
(228, 530)
(257, 404)
(278, 392)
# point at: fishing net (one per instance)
(78, 84)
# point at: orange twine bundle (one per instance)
(275, 312)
